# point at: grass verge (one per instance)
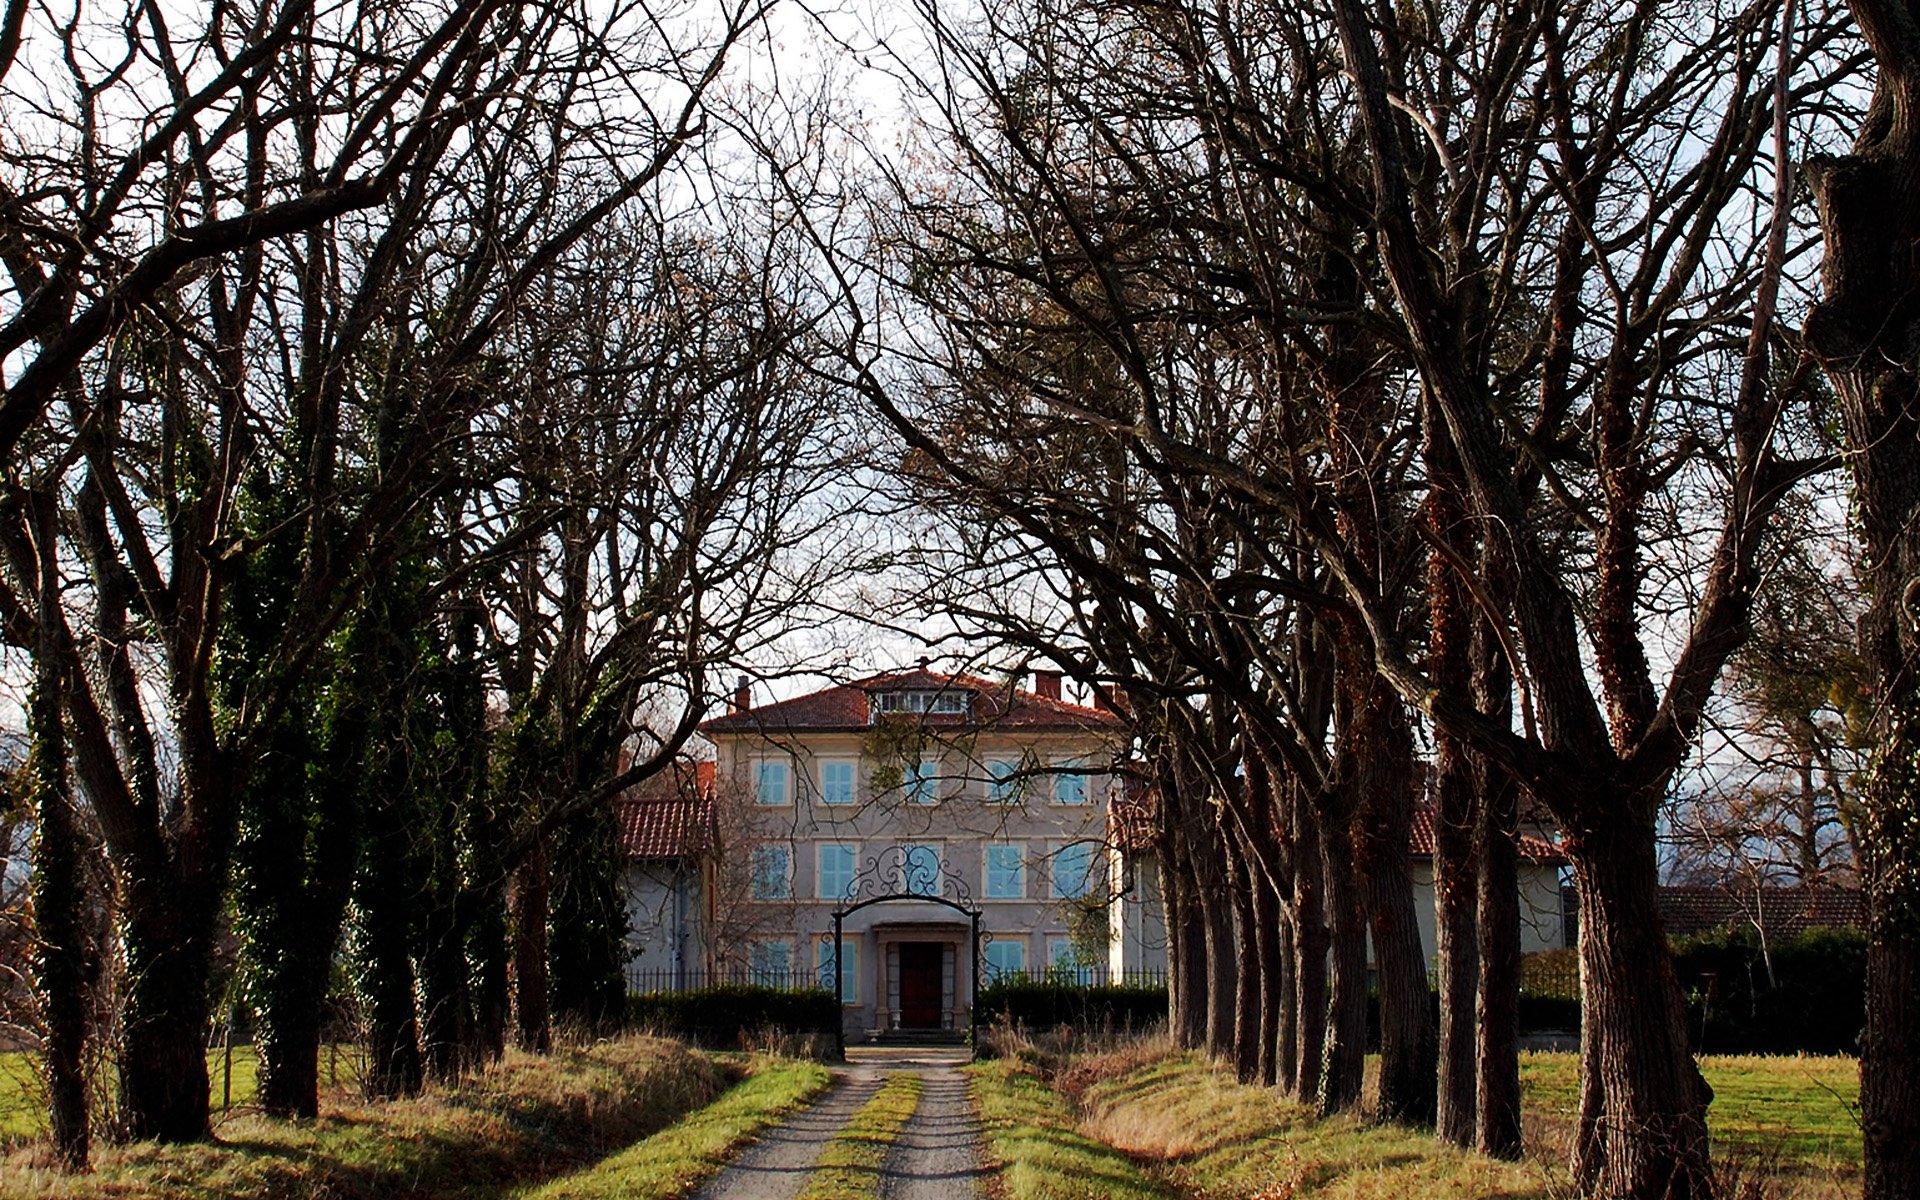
(527, 1119)
(1198, 1130)
(1034, 1150)
(850, 1164)
(684, 1155)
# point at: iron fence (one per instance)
(656, 980)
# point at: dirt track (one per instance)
(936, 1158)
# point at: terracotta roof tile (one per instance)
(670, 815)
(1420, 842)
(845, 708)
(1784, 911)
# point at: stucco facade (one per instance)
(989, 797)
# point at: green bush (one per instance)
(1815, 1003)
(1046, 1003)
(727, 1014)
(1548, 1014)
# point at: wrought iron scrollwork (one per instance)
(902, 874)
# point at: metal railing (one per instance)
(656, 980)
(1087, 976)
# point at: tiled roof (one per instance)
(1420, 843)
(1784, 911)
(844, 708)
(1131, 818)
(670, 815)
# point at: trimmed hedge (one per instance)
(723, 1015)
(1817, 1004)
(1044, 1004)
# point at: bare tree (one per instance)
(1567, 248)
(177, 334)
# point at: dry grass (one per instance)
(1034, 1149)
(527, 1119)
(1193, 1126)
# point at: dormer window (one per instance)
(947, 700)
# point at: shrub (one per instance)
(731, 1015)
(1045, 1003)
(1814, 1005)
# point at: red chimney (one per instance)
(1047, 683)
(742, 696)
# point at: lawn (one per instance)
(23, 1102)
(530, 1118)
(1797, 1116)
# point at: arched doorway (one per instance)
(918, 973)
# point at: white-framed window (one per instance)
(1066, 962)
(947, 700)
(1071, 875)
(1070, 782)
(772, 873)
(771, 781)
(1006, 864)
(834, 870)
(1003, 782)
(836, 781)
(1005, 959)
(920, 865)
(770, 964)
(849, 967)
(921, 785)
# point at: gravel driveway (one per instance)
(936, 1158)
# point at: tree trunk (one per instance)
(1218, 948)
(1496, 1129)
(1286, 1033)
(1496, 833)
(1345, 1063)
(1181, 997)
(60, 952)
(386, 979)
(1383, 826)
(1864, 330)
(1454, 937)
(1310, 961)
(1247, 973)
(445, 1006)
(533, 1024)
(1272, 991)
(1642, 1131)
(1454, 799)
(163, 1054)
(294, 874)
(487, 938)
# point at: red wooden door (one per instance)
(920, 985)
